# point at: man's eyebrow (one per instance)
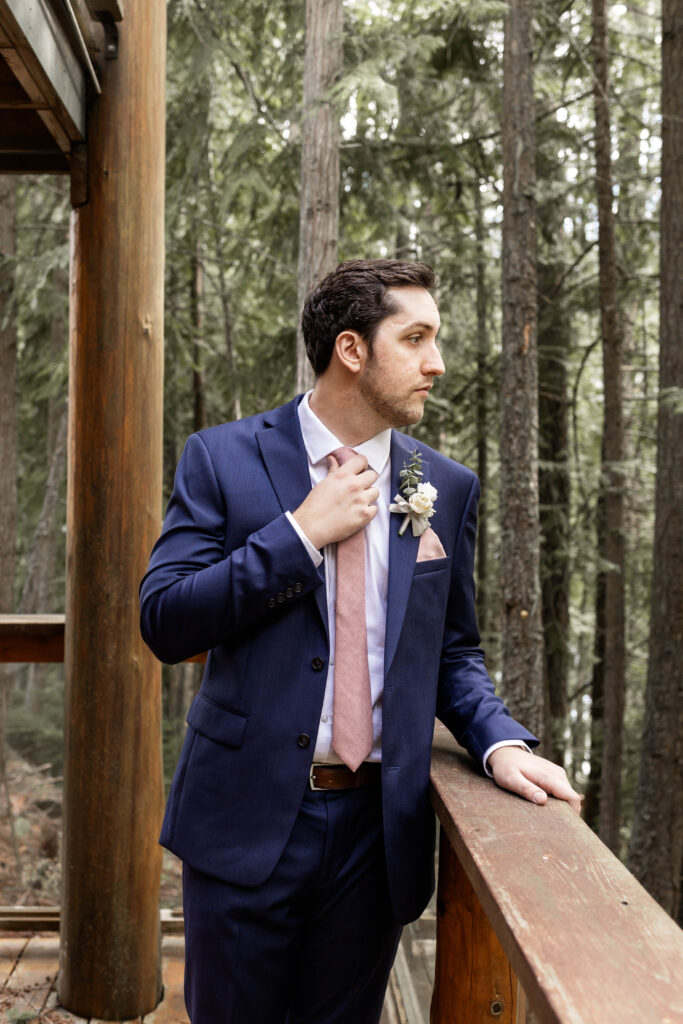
(420, 323)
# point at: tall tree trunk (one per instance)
(37, 592)
(483, 349)
(522, 638)
(554, 491)
(320, 137)
(8, 406)
(224, 294)
(197, 314)
(8, 452)
(612, 468)
(35, 595)
(591, 809)
(8, 395)
(656, 849)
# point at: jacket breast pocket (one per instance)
(217, 723)
(432, 565)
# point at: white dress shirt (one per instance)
(319, 442)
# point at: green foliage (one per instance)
(39, 737)
(419, 104)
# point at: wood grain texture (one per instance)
(586, 940)
(11, 949)
(46, 58)
(171, 1010)
(110, 962)
(32, 979)
(38, 638)
(473, 979)
(31, 638)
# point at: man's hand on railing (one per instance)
(531, 777)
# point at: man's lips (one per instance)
(424, 390)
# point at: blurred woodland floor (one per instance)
(30, 840)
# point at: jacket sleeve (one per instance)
(195, 594)
(466, 700)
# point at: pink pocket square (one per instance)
(430, 546)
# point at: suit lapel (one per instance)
(402, 552)
(283, 452)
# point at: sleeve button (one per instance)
(317, 664)
(297, 588)
(271, 602)
(280, 598)
(289, 592)
(303, 740)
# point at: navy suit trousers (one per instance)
(314, 944)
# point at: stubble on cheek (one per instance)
(399, 411)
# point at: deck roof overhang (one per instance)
(48, 53)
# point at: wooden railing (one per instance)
(531, 901)
(530, 904)
(37, 638)
(31, 638)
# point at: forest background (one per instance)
(522, 158)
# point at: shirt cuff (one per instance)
(316, 557)
(502, 743)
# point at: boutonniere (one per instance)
(416, 500)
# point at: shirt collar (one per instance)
(319, 441)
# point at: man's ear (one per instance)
(351, 350)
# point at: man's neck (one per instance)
(338, 408)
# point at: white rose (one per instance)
(420, 502)
(430, 491)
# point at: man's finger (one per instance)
(527, 788)
(555, 783)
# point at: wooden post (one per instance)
(473, 979)
(110, 963)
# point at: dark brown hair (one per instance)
(354, 298)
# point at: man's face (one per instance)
(397, 375)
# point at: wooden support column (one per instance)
(110, 963)
(473, 979)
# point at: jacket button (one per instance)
(317, 664)
(303, 740)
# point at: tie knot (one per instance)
(343, 454)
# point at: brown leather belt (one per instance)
(339, 776)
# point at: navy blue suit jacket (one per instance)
(230, 576)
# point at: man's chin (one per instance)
(409, 417)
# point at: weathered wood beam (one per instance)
(47, 919)
(91, 29)
(473, 978)
(34, 163)
(585, 939)
(40, 55)
(31, 638)
(38, 638)
(110, 965)
(23, 131)
(112, 8)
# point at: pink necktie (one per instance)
(352, 722)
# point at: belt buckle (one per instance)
(314, 765)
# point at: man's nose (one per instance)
(433, 364)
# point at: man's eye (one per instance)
(415, 339)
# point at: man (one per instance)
(299, 869)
